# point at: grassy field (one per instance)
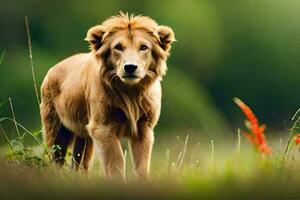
(227, 168)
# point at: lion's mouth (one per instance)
(130, 77)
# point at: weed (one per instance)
(292, 133)
(20, 152)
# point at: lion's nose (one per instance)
(129, 68)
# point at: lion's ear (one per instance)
(166, 37)
(95, 36)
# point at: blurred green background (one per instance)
(249, 49)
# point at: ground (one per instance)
(182, 168)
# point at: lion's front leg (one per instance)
(141, 148)
(111, 154)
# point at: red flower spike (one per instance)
(297, 139)
(257, 136)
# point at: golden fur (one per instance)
(88, 97)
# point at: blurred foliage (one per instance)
(225, 49)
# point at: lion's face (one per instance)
(131, 57)
(132, 48)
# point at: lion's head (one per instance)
(132, 49)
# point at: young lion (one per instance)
(114, 91)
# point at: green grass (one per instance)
(232, 170)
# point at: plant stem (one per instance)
(213, 155)
(295, 115)
(14, 117)
(238, 150)
(183, 153)
(27, 131)
(290, 140)
(6, 138)
(2, 55)
(31, 60)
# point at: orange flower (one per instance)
(257, 136)
(297, 139)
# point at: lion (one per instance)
(91, 100)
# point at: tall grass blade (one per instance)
(292, 133)
(213, 155)
(238, 148)
(2, 55)
(31, 61)
(296, 114)
(168, 159)
(14, 117)
(22, 127)
(183, 153)
(181, 156)
(125, 154)
(6, 138)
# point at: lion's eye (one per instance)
(118, 47)
(143, 47)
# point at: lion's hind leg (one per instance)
(61, 144)
(56, 136)
(83, 151)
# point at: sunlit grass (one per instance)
(232, 172)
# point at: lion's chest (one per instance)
(116, 116)
(125, 120)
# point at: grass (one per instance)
(221, 170)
